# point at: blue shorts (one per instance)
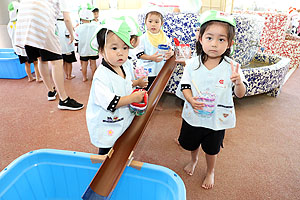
(192, 137)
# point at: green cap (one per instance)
(135, 29)
(13, 10)
(213, 15)
(118, 26)
(85, 12)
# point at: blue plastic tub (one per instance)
(65, 175)
(10, 67)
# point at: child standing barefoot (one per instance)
(213, 76)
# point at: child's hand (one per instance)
(169, 54)
(196, 104)
(235, 76)
(157, 57)
(138, 97)
(143, 82)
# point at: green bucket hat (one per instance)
(118, 26)
(135, 29)
(13, 10)
(213, 15)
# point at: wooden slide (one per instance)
(120, 155)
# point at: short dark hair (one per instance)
(155, 13)
(95, 10)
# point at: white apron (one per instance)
(104, 126)
(216, 81)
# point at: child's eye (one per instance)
(114, 48)
(209, 38)
(222, 40)
(125, 48)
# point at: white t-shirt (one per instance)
(84, 33)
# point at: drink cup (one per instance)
(182, 52)
(209, 100)
(163, 49)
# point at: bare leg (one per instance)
(66, 69)
(28, 72)
(190, 167)
(93, 66)
(84, 65)
(37, 72)
(208, 182)
(44, 71)
(58, 78)
(69, 71)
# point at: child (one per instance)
(96, 15)
(11, 27)
(211, 73)
(85, 32)
(148, 51)
(108, 114)
(68, 53)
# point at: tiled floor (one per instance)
(260, 160)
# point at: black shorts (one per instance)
(69, 58)
(23, 59)
(87, 58)
(33, 53)
(192, 137)
(103, 151)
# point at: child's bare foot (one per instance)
(30, 79)
(159, 108)
(208, 182)
(71, 77)
(190, 167)
(85, 79)
(39, 80)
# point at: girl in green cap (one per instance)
(207, 85)
(108, 114)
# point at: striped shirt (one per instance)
(36, 25)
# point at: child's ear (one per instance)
(230, 45)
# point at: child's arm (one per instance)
(188, 95)
(239, 87)
(141, 82)
(133, 97)
(155, 57)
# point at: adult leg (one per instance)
(84, 65)
(58, 78)
(190, 167)
(44, 71)
(208, 182)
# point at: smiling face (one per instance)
(115, 51)
(153, 23)
(214, 40)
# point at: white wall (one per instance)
(4, 18)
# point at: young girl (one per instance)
(213, 74)
(148, 51)
(108, 114)
(85, 32)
